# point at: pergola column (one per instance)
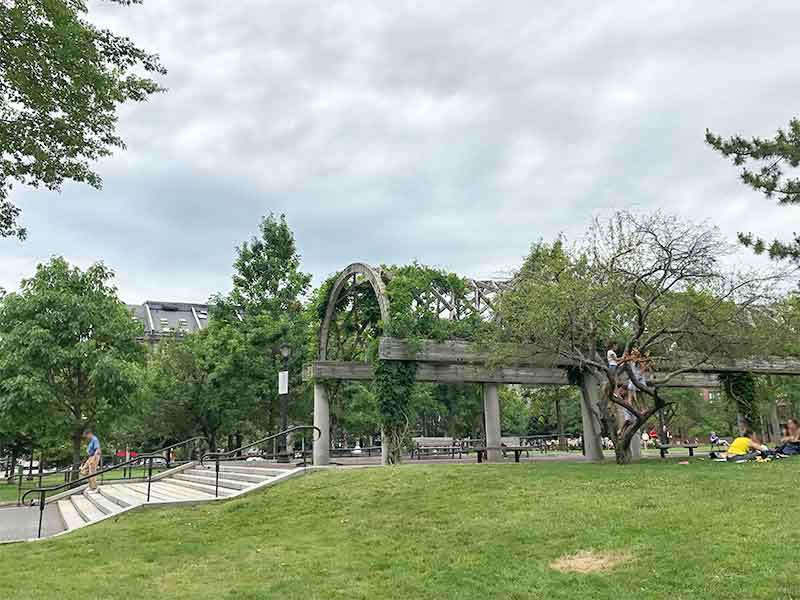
(322, 420)
(491, 413)
(636, 446)
(590, 400)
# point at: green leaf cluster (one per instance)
(61, 81)
(767, 167)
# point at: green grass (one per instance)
(704, 530)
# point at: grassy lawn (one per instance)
(704, 530)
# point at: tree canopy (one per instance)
(68, 351)
(767, 165)
(224, 378)
(652, 283)
(61, 81)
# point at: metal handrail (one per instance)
(149, 457)
(223, 455)
(40, 476)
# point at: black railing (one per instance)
(236, 453)
(149, 458)
(38, 477)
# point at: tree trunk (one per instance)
(30, 465)
(12, 466)
(77, 436)
(393, 440)
(622, 448)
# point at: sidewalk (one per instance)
(21, 523)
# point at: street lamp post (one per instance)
(283, 393)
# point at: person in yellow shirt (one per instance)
(745, 447)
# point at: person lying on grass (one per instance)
(747, 446)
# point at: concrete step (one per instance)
(200, 487)
(70, 515)
(163, 493)
(140, 491)
(246, 468)
(88, 511)
(232, 475)
(210, 480)
(119, 495)
(103, 503)
(182, 492)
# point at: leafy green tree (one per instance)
(515, 410)
(267, 279)
(542, 409)
(653, 282)
(354, 415)
(61, 81)
(766, 167)
(201, 385)
(68, 351)
(266, 307)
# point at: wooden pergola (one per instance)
(457, 361)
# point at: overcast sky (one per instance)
(452, 133)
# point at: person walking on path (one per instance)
(93, 458)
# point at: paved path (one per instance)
(535, 456)
(20, 523)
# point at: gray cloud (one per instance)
(455, 134)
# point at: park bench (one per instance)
(435, 445)
(515, 445)
(663, 448)
(507, 444)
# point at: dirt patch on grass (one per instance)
(591, 562)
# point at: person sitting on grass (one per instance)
(747, 446)
(790, 443)
(717, 441)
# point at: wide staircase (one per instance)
(189, 484)
(216, 476)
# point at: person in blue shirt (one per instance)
(93, 458)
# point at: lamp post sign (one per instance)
(283, 394)
(283, 383)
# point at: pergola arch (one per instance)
(350, 275)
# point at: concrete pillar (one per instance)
(590, 398)
(322, 419)
(636, 446)
(491, 413)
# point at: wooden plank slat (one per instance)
(460, 352)
(465, 373)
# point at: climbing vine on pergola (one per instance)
(360, 304)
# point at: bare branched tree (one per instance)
(655, 285)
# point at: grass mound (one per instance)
(459, 531)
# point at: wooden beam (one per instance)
(462, 373)
(460, 352)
